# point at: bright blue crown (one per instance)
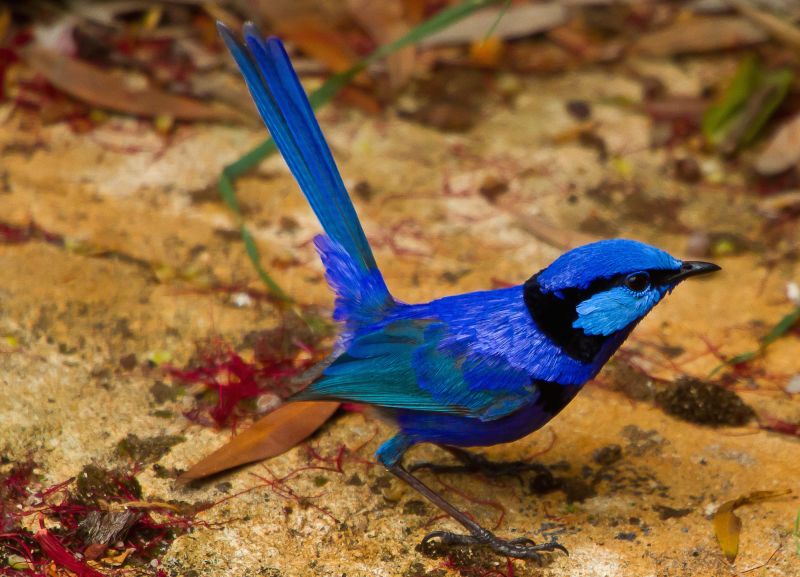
(581, 266)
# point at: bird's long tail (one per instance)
(350, 266)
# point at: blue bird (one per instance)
(468, 370)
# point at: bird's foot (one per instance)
(476, 463)
(521, 548)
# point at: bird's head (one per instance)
(602, 289)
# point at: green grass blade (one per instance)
(718, 116)
(781, 328)
(497, 20)
(320, 97)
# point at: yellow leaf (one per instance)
(727, 526)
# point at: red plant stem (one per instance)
(488, 502)
(60, 555)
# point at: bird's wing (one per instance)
(405, 365)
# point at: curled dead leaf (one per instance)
(384, 22)
(504, 22)
(778, 28)
(783, 150)
(728, 526)
(270, 436)
(773, 205)
(703, 34)
(99, 88)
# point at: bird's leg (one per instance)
(477, 463)
(522, 548)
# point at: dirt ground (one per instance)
(146, 234)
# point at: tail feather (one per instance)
(360, 295)
(350, 266)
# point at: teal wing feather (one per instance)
(404, 365)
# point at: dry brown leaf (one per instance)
(551, 234)
(320, 41)
(506, 23)
(727, 526)
(703, 34)
(269, 437)
(384, 23)
(313, 29)
(783, 150)
(119, 559)
(544, 230)
(5, 21)
(99, 88)
(778, 28)
(773, 205)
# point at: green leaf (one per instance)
(781, 328)
(776, 84)
(745, 106)
(319, 97)
(719, 114)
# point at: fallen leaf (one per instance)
(703, 34)
(783, 150)
(675, 108)
(542, 229)
(119, 559)
(314, 30)
(727, 526)
(318, 40)
(99, 88)
(270, 436)
(773, 205)
(5, 21)
(503, 22)
(384, 23)
(778, 28)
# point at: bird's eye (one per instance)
(638, 281)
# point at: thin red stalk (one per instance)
(488, 502)
(60, 555)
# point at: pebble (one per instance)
(793, 387)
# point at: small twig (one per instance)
(765, 563)
(779, 29)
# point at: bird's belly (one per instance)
(463, 431)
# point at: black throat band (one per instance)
(554, 316)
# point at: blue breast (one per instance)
(464, 431)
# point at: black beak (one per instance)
(692, 268)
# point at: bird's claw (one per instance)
(521, 548)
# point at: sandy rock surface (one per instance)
(144, 223)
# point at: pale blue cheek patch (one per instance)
(613, 310)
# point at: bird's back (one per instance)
(477, 355)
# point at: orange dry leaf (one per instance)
(270, 436)
(119, 559)
(727, 525)
(97, 87)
